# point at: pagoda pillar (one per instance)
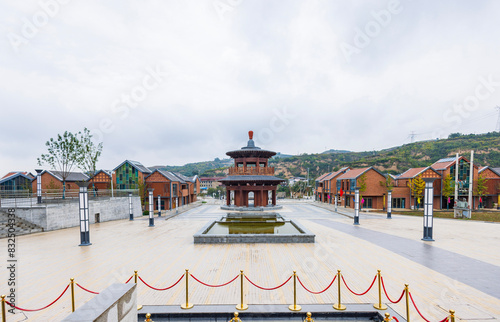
(228, 197)
(274, 197)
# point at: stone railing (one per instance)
(251, 171)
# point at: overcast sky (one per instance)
(172, 82)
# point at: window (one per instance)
(398, 202)
(368, 203)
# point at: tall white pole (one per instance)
(456, 186)
(471, 181)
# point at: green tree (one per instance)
(63, 154)
(89, 154)
(417, 187)
(448, 189)
(387, 184)
(481, 187)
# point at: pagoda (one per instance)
(251, 174)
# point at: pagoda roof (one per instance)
(255, 178)
(250, 150)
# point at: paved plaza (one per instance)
(460, 270)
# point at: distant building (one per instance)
(130, 174)
(493, 186)
(294, 180)
(16, 181)
(210, 182)
(101, 180)
(402, 197)
(174, 189)
(372, 197)
(52, 181)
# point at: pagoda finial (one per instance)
(250, 134)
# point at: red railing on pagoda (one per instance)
(269, 171)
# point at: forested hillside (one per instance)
(394, 160)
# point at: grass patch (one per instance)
(476, 215)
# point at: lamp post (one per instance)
(112, 193)
(151, 218)
(335, 203)
(130, 210)
(38, 185)
(356, 206)
(389, 204)
(428, 209)
(159, 206)
(84, 214)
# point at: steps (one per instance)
(21, 226)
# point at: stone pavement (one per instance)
(458, 271)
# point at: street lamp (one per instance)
(84, 214)
(428, 209)
(389, 204)
(151, 218)
(335, 203)
(356, 206)
(159, 206)
(112, 193)
(39, 185)
(130, 209)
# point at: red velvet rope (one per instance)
(26, 310)
(445, 319)
(209, 285)
(271, 288)
(387, 295)
(395, 318)
(162, 289)
(129, 279)
(359, 294)
(83, 288)
(298, 278)
(415, 306)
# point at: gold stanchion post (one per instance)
(72, 283)
(242, 306)
(407, 291)
(308, 317)
(4, 317)
(452, 316)
(387, 317)
(135, 277)
(379, 306)
(187, 305)
(294, 306)
(148, 318)
(339, 305)
(235, 318)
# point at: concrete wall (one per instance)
(58, 216)
(116, 303)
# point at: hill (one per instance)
(392, 160)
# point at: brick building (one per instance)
(492, 196)
(374, 193)
(52, 181)
(101, 180)
(129, 174)
(16, 181)
(402, 197)
(328, 185)
(174, 189)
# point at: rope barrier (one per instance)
(395, 318)
(161, 289)
(83, 288)
(209, 285)
(387, 295)
(319, 291)
(360, 294)
(26, 310)
(129, 279)
(271, 288)
(415, 306)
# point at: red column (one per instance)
(274, 197)
(228, 197)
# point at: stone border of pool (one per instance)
(265, 311)
(201, 238)
(234, 208)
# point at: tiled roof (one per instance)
(25, 173)
(136, 165)
(412, 173)
(13, 175)
(72, 176)
(320, 178)
(353, 173)
(170, 176)
(251, 178)
(335, 174)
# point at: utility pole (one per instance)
(412, 136)
(498, 120)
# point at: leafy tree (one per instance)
(481, 187)
(417, 187)
(63, 154)
(388, 184)
(89, 154)
(448, 189)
